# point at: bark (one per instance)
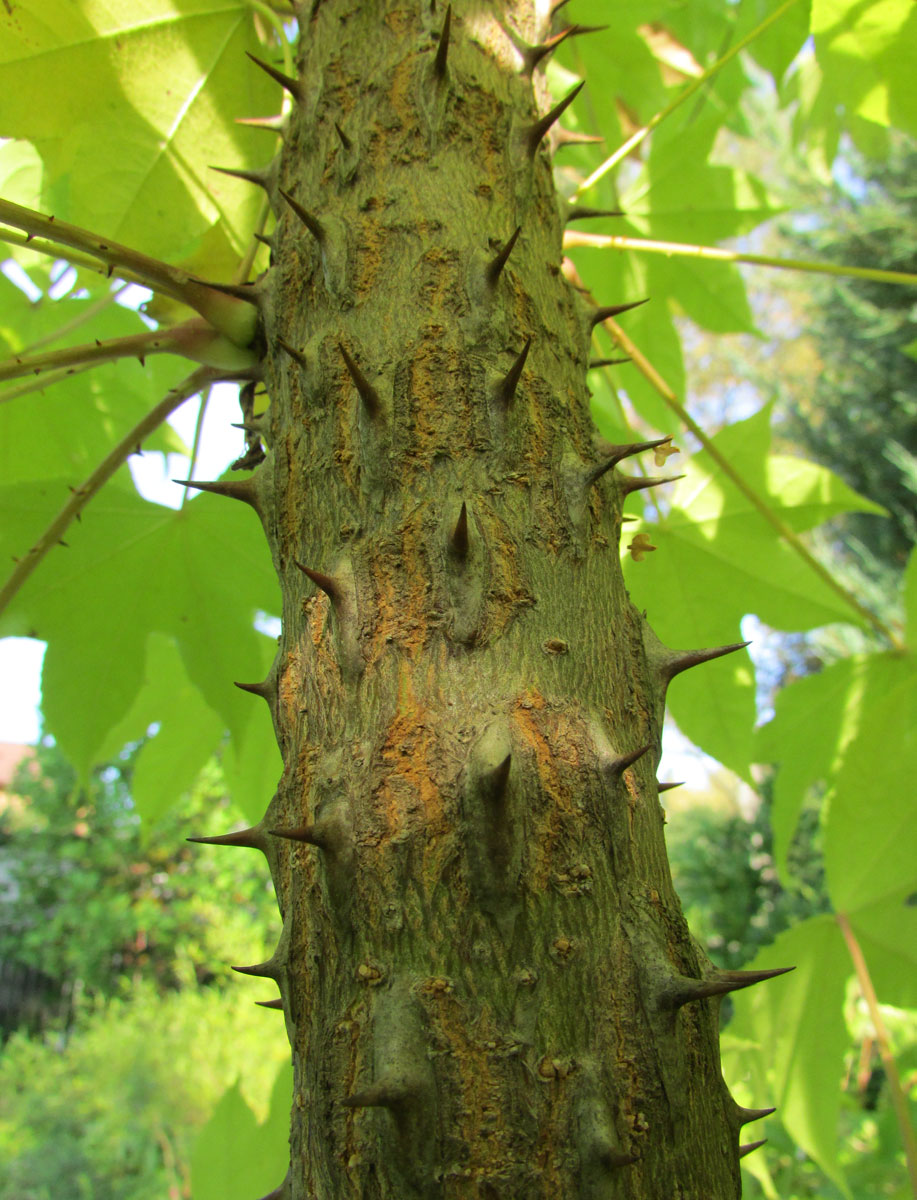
(487, 981)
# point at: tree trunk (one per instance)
(487, 981)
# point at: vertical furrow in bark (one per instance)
(486, 977)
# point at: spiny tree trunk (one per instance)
(486, 978)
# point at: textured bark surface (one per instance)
(483, 964)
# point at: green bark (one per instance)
(487, 980)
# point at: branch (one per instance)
(635, 139)
(792, 539)
(45, 380)
(193, 339)
(232, 315)
(899, 1099)
(80, 497)
(717, 254)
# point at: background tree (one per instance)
(447, 717)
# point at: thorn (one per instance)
(264, 240)
(265, 970)
(278, 1003)
(258, 178)
(537, 131)
(458, 542)
(252, 837)
(683, 990)
(265, 690)
(495, 780)
(345, 140)
(639, 483)
(273, 124)
(497, 264)
(616, 454)
(612, 310)
(693, 658)
(509, 383)
(282, 1192)
(747, 1149)
(235, 489)
(296, 355)
(567, 137)
(239, 291)
(595, 363)
(534, 54)
(329, 586)
(747, 1115)
(619, 765)
(587, 214)
(311, 223)
(442, 49)
(290, 85)
(303, 833)
(667, 787)
(368, 393)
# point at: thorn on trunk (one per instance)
(568, 137)
(278, 1003)
(235, 489)
(496, 265)
(683, 990)
(265, 970)
(442, 49)
(368, 393)
(749, 1147)
(747, 1115)
(292, 86)
(694, 658)
(536, 132)
(639, 483)
(612, 310)
(345, 140)
(595, 363)
(619, 765)
(252, 838)
(310, 834)
(265, 689)
(384, 1093)
(458, 541)
(587, 214)
(311, 223)
(667, 787)
(616, 454)
(258, 178)
(296, 355)
(507, 387)
(328, 585)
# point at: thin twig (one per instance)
(899, 1099)
(80, 496)
(90, 311)
(718, 254)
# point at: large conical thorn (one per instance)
(313, 835)
(265, 689)
(639, 483)
(296, 355)
(368, 393)
(612, 310)
(261, 179)
(749, 1147)
(442, 50)
(587, 214)
(326, 583)
(496, 265)
(235, 489)
(458, 540)
(392, 1092)
(265, 970)
(595, 363)
(278, 1003)
(616, 454)
(747, 1115)
(678, 662)
(668, 787)
(508, 384)
(683, 989)
(536, 132)
(532, 55)
(252, 837)
(292, 86)
(271, 124)
(311, 223)
(617, 766)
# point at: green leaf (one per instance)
(167, 82)
(802, 741)
(870, 832)
(887, 934)
(778, 45)
(235, 1158)
(867, 53)
(798, 1023)
(198, 575)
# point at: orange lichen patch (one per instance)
(410, 755)
(400, 600)
(367, 260)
